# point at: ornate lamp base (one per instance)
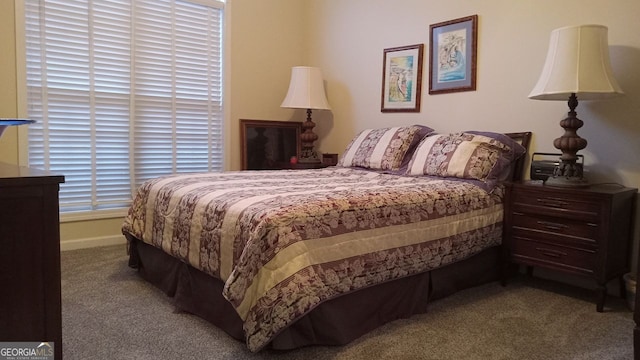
(562, 181)
(307, 154)
(568, 173)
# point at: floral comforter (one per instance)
(285, 241)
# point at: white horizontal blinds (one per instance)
(153, 121)
(198, 87)
(35, 66)
(107, 86)
(111, 55)
(78, 89)
(178, 84)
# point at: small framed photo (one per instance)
(452, 53)
(402, 79)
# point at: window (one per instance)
(123, 91)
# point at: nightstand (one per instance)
(301, 166)
(583, 231)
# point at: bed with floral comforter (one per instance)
(285, 241)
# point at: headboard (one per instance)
(523, 138)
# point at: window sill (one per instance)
(92, 215)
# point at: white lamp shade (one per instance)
(306, 89)
(577, 62)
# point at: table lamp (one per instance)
(577, 67)
(306, 91)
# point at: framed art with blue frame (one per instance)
(402, 79)
(452, 53)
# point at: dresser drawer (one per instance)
(531, 251)
(550, 204)
(588, 231)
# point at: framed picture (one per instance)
(268, 144)
(452, 53)
(402, 79)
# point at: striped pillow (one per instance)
(383, 149)
(480, 156)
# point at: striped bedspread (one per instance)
(285, 241)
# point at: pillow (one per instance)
(383, 149)
(483, 156)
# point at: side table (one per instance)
(583, 231)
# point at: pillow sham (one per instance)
(483, 156)
(383, 149)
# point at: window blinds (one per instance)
(123, 91)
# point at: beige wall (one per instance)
(346, 39)
(8, 100)
(267, 38)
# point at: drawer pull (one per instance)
(552, 253)
(553, 203)
(552, 226)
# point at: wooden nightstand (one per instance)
(301, 166)
(584, 231)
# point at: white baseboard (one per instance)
(92, 242)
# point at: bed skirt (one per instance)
(334, 322)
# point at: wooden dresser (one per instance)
(583, 231)
(30, 303)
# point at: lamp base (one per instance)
(566, 181)
(308, 156)
(568, 173)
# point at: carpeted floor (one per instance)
(110, 313)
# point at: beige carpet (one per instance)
(110, 313)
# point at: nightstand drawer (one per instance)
(534, 202)
(554, 226)
(553, 238)
(552, 255)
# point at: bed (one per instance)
(289, 258)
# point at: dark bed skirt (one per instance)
(335, 322)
